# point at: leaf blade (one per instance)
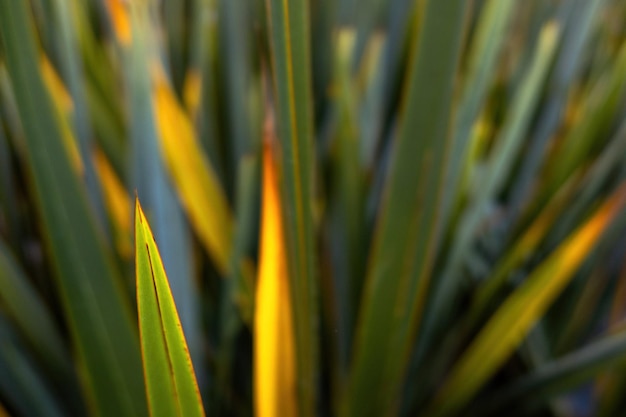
(405, 232)
(273, 329)
(170, 379)
(96, 309)
(290, 53)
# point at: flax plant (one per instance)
(341, 208)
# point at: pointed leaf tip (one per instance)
(171, 385)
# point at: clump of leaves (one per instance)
(404, 207)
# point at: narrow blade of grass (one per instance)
(600, 109)
(511, 323)
(346, 211)
(567, 66)
(290, 51)
(96, 310)
(274, 365)
(402, 254)
(367, 15)
(171, 384)
(483, 57)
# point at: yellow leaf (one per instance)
(274, 369)
(201, 194)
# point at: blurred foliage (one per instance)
(364, 208)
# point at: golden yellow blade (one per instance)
(274, 369)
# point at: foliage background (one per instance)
(451, 185)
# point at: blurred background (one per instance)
(452, 184)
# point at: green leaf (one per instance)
(599, 109)
(289, 41)
(483, 56)
(402, 255)
(367, 15)
(170, 380)
(346, 203)
(96, 309)
(581, 19)
(514, 319)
